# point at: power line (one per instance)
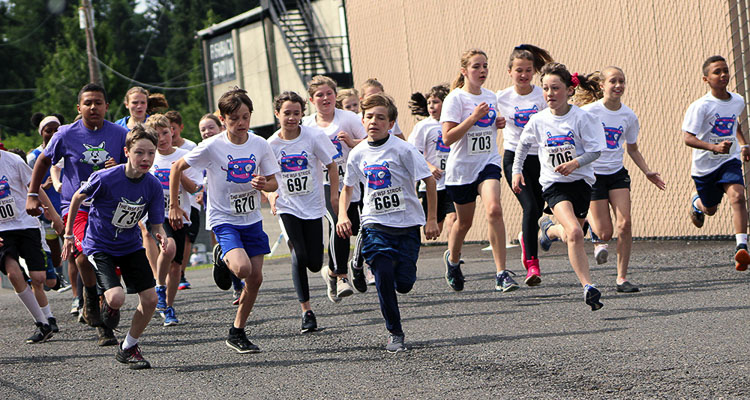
(28, 34)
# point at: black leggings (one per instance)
(306, 243)
(336, 245)
(530, 199)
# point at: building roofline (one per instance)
(231, 23)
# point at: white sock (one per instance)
(741, 238)
(160, 286)
(47, 312)
(28, 299)
(129, 342)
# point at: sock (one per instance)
(129, 342)
(47, 312)
(161, 286)
(28, 299)
(92, 292)
(695, 208)
(741, 238)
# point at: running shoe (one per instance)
(91, 310)
(42, 334)
(358, 277)
(330, 284)
(309, 323)
(184, 284)
(106, 336)
(75, 307)
(533, 275)
(544, 240)
(453, 274)
(222, 275)
(343, 288)
(236, 296)
(591, 296)
(169, 317)
(697, 217)
(523, 249)
(110, 316)
(161, 295)
(395, 343)
(52, 321)
(132, 357)
(741, 257)
(238, 341)
(369, 276)
(504, 283)
(601, 253)
(627, 287)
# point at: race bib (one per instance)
(243, 203)
(442, 160)
(340, 167)
(716, 140)
(386, 201)
(297, 183)
(127, 215)
(8, 209)
(557, 155)
(479, 142)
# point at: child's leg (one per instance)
(620, 200)
(293, 231)
(164, 262)
(16, 278)
(490, 192)
(384, 269)
(464, 219)
(152, 250)
(736, 195)
(173, 281)
(37, 286)
(251, 271)
(143, 313)
(447, 224)
(73, 275)
(600, 219)
(569, 231)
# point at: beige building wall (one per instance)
(412, 45)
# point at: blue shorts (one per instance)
(465, 194)
(251, 238)
(399, 244)
(711, 187)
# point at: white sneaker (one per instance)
(330, 284)
(369, 276)
(601, 253)
(343, 288)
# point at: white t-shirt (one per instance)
(188, 144)
(301, 177)
(15, 176)
(230, 168)
(396, 130)
(561, 139)
(713, 120)
(427, 137)
(517, 109)
(478, 147)
(388, 172)
(620, 127)
(348, 122)
(161, 170)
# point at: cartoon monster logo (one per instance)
(240, 170)
(95, 155)
(4, 187)
(293, 162)
(489, 119)
(613, 136)
(722, 126)
(378, 175)
(559, 140)
(337, 144)
(163, 176)
(440, 145)
(522, 115)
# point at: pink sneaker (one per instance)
(533, 276)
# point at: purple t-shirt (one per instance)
(84, 151)
(117, 204)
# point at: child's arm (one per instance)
(638, 159)
(744, 148)
(522, 149)
(333, 177)
(265, 183)
(54, 173)
(453, 132)
(189, 185)
(692, 141)
(50, 213)
(344, 226)
(175, 178)
(161, 236)
(431, 229)
(69, 242)
(40, 168)
(271, 197)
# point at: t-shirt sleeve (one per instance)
(155, 202)
(324, 148)
(124, 135)
(528, 135)
(198, 157)
(693, 118)
(451, 109)
(268, 165)
(415, 138)
(24, 172)
(353, 175)
(418, 164)
(356, 129)
(592, 132)
(396, 130)
(631, 135)
(55, 148)
(94, 186)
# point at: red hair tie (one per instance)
(574, 79)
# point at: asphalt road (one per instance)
(684, 336)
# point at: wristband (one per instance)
(29, 194)
(197, 189)
(71, 237)
(745, 146)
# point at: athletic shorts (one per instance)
(24, 243)
(465, 194)
(605, 183)
(444, 204)
(251, 238)
(577, 192)
(711, 187)
(178, 236)
(195, 224)
(79, 229)
(134, 267)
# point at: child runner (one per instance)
(348, 99)
(373, 86)
(87, 145)
(136, 101)
(238, 166)
(392, 214)
(612, 186)
(519, 102)
(301, 151)
(711, 128)
(470, 122)
(569, 140)
(119, 197)
(345, 130)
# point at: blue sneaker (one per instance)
(544, 241)
(161, 294)
(591, 296)
(184, 284)
(697, 217)
(169, 317)
(453, 274)
(504, 283)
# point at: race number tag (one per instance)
(442, 160)
(298, 182)
(243, 203)
(8, 209)
(385, 201)
(166, 201)
(340, 167)
(479, 142)
(127, 215)
(716, 140)
(557, 155)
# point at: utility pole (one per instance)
(87, 23)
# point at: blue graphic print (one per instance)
(4, 187)
(240, 170)
(613, 136)
(522, 115)
(378, 175)
(163, 176)
(293, 162)
(489, 119)
(722, 126)
(559, 140)
(440, 145)
(337, 144)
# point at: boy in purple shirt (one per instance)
(119, 197)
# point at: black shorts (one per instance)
(178, 236)
(578, 193)
(605, 183)
(195, 224)
(444, 204)
(25, 243)
(465, 194)
(134, 268)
